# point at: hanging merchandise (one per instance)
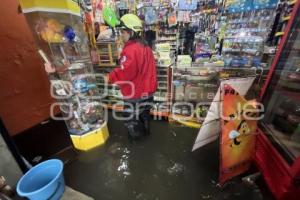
(110, 16)
(172, 19)
(245, 36)
(122, 5)
(196, 20)
(187, 5)
(131, 6)
(150, 15)
(165, 3)
(174, 4)
(184, 16)
(87, 15)
(98, 12)
(140, 11)
(147, 3)
(156, 3)
(162, 15)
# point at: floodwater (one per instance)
(160, 167)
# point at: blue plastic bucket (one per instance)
(44, 181)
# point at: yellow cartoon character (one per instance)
(235, 135)
(51, 30)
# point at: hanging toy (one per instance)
(150, 16)
(69, 33)
(110, 16)
(50, 31)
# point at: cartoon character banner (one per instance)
(211, 127)
(238, 134)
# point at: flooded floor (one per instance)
(160, 167)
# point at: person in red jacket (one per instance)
(136, 77)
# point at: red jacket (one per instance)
(137, 66)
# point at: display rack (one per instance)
(245, 37)
(197, 87)
(163, 93)
(63, 45)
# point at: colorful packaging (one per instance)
(163, 47)
(187, 5)
(150, 16)
(172, 19)
(184, 61)
(263, 4)
(184, 16)
(235, 6)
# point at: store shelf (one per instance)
(162, 88)
(156, 98)
(165, 40)
(116, 96)
(245, 39)
(162, 76)
(248, 30)
(164, 80)
(163, 66)
(162, 33)
(245, 21)
(240, 50)
(200, 78)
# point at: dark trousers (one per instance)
(137, 114)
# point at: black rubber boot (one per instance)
(135, 130)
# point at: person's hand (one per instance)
(49, 68)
